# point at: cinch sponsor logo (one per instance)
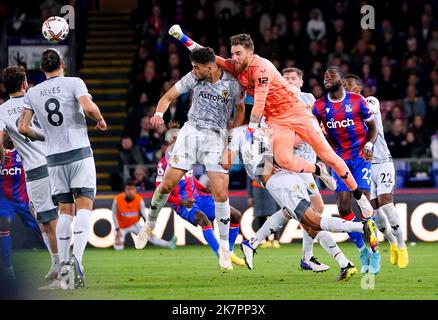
(332, 124)
(11, 171)
(216, 97)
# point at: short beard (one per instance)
(334, 88)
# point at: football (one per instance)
(55, 29)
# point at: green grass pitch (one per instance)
(192, 272)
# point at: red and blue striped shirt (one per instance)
(188, 188)
(345, 123)
(12, 179)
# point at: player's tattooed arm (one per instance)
(24, 126)
(254, 121)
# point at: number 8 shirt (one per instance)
(55, 102)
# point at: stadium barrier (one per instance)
(418, 210)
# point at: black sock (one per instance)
(357, 194)
(317, 170)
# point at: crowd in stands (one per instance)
(398, 60)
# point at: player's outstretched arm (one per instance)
(262, 80)
(92, 111)
(163, 105)
(24, 128)
(176, 32)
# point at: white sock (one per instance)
(63, 235)
(159, 242)
(327, 242)
(307, 246)
(46, 241)
(272, 224)
(81, 232)
(394, 221)
(158, 201)
(383, 225)
(222, 211)
(333, 224)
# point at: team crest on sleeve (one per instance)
(312, 186)
(225, 94)
(175, 158)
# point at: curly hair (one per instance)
(203, 55)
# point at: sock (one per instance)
(357, 194)
(354, 236)
(333, 224)
(394, 221)
(6, 248)
(234, 232)
(211, 239)
(222, 211)
(157, 202)
(383, 225)
(159, 242)
(317, 171)
(307, 246)
(272, 224)
(46, 241)
(63, 235)
(81, 233)
(327, 242)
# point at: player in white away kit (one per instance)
(202, 139)
(33, 155)
(383, 183)
(61, 104)
(289, 192)
(294, 77)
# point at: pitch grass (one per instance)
(192, 272)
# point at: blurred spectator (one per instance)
(422, 137)
(50, 8)
(316, 26)
(141, 179)
(387, 87)
(431, 120)
(149, 140)
(273, 17)
(396, 140)
(128, 153)
(412, 104)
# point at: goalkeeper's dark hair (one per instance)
(203, 55)
(51, 60)
(337, 70)
(13, 78)
(355, 77)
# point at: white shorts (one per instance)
(40, 197)
(289, 192)
(309, 183)
(198, 146)
(135, 228)
(382, 179)
(73, 179)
